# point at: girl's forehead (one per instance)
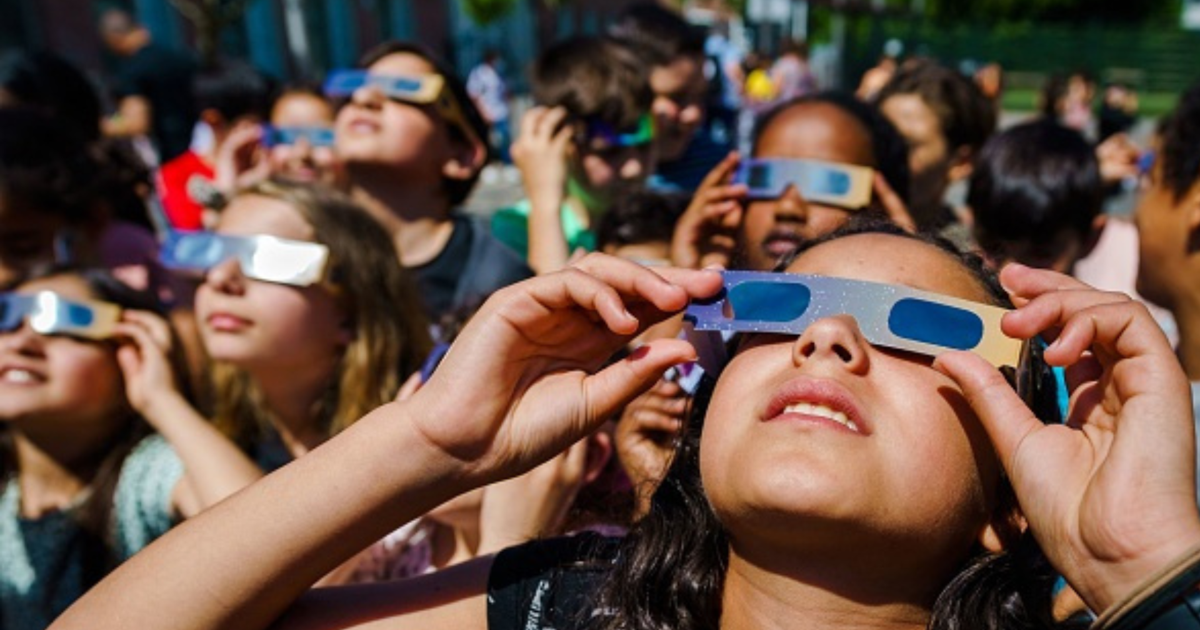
(892, 259)
(402, 63)
(253, 215)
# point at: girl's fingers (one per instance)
(1113, 331)
(1053, 309)
(1086, 370)
(650, 421)
(1027, 282)
(529, 122)
(667, 288)
(892, 204)
(159, 329)
(548, 125)
(610, 389)
(722, 171)
(1005, 417)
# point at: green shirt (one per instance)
(511, 226)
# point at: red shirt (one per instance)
(182, 211)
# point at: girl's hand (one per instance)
(706, 233)
(646, 434)
(1110, 495)
(540, 152)
(520, 384)
(143, 358)
(892, 204)
(242, 160)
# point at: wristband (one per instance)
(1168, 600)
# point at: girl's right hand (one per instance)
(520, 383)
(144, 360)
(1110, 494)
(706, 234)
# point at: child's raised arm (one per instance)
(517, 387)
(214, 467)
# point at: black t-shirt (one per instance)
(164, 78)
(548, 584)
(471, 267)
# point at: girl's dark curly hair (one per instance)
(670, 569)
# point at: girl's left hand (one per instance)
(1110, 495)
(144, 360)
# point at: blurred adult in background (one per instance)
(489, 92)
(945, 119)
(791, 73)
(1068, 99)
(878, 76)
(1118, 110)
(153, 87)
(675, 51)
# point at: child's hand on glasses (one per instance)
(241, 161)
(706, 234)
(540, 151)
(521, 383)
(143, 359)
(1110, 495)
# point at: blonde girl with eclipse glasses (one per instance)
(306, 314)
(860, 461)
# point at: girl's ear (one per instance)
(466, 159)
(599, 452)
(1006, 525)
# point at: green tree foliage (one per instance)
(488, 11)
(1121, 11)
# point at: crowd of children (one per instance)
(675, 386)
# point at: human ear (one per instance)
(466, 159)
(599, 452)
(1191, 208)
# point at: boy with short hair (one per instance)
(590, 139)
(1037, 197)
(946, 119)
(229, 96)
(675, 52)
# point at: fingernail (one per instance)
(717, 267)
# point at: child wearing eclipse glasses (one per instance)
(87, 376)
(817, 161)
(413, 146)
(590, 139)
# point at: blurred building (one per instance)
(292, 39)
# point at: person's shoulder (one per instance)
(142, 502)
(491, 251)
(548, 583)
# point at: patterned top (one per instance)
(42, 559)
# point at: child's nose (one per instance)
(226, 277)
(834, 339)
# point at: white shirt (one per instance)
(487, 88)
